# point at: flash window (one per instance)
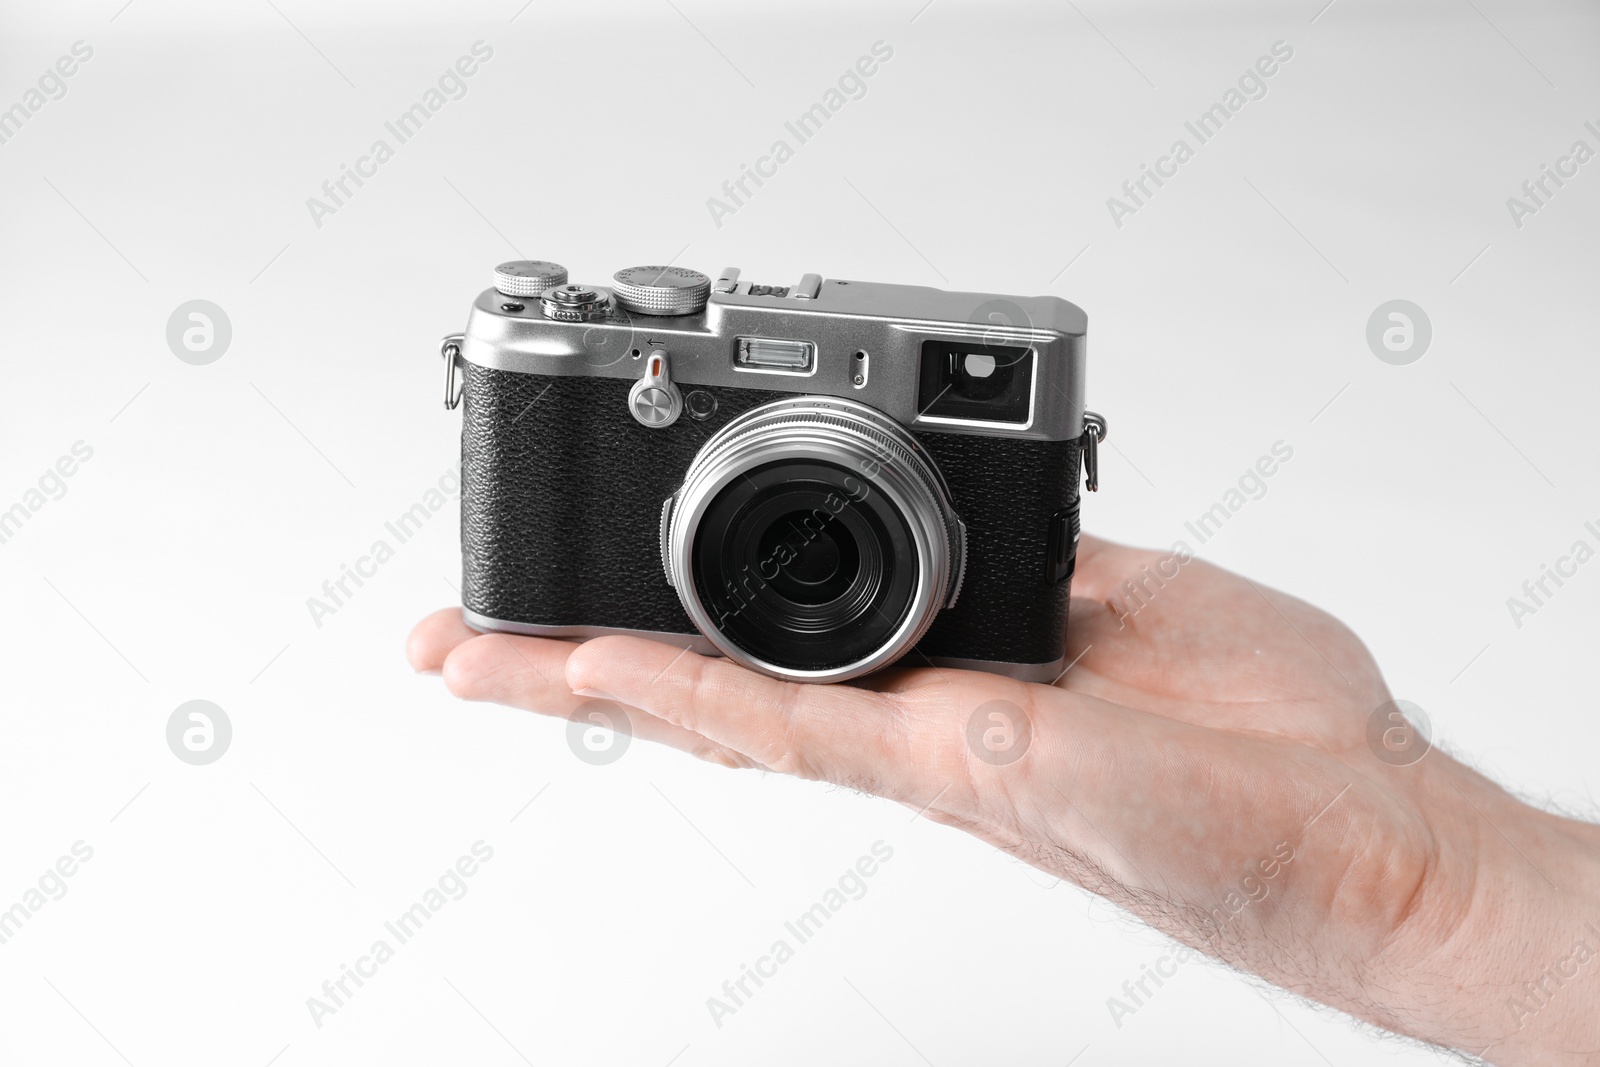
(774, 356)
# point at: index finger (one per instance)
(838, 733)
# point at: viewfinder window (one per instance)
(975, 382)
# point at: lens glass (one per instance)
(805, 565)
(823, 557)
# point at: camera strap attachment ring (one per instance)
(1094, 432)
(450, 349)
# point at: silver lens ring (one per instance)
(880, 455)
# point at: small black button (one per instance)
(1061, 545)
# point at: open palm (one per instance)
(1205, 763)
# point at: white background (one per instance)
(1227, 314)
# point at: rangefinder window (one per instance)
(975, 382)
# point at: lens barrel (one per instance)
(813, 539)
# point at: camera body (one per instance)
(812, 479)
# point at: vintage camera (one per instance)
(813, 480)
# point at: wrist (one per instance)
(1510, 970)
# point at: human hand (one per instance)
(1204, 764)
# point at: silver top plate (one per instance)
(887, 322)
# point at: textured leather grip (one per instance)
(561, 506)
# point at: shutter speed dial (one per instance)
(661, 290)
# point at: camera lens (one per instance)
(813, 539)
(800, 568)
